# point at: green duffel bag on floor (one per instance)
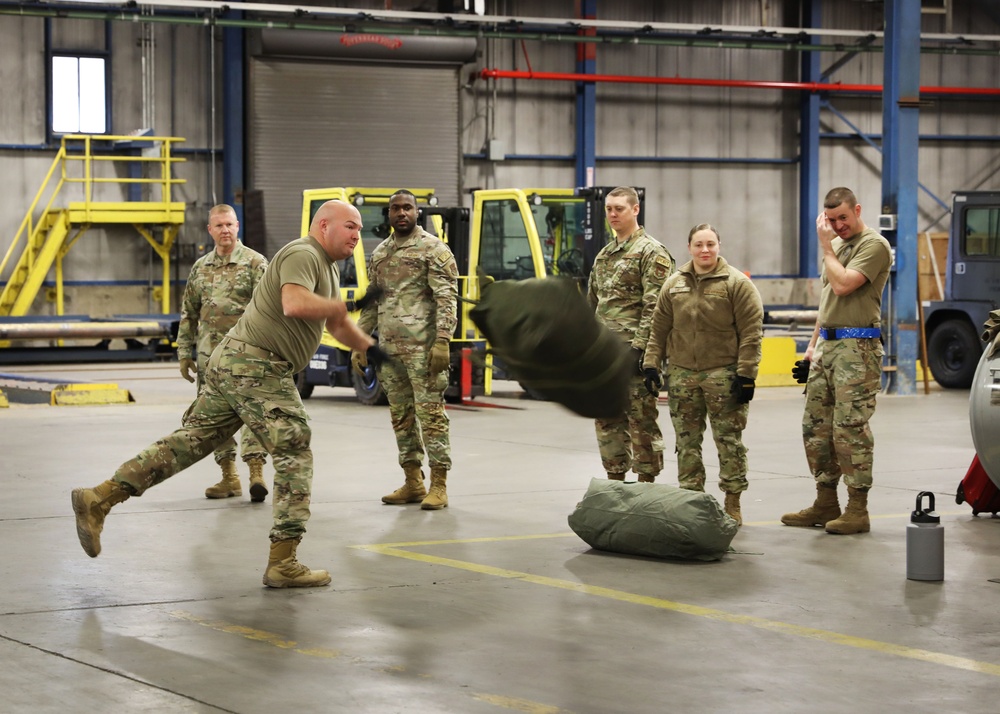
(652, 519)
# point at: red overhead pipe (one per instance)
(742, 83)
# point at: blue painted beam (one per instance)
(233, 100)
(586, 102)
(900, 114)
(809, 188)
(869, 139)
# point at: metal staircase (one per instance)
(93, 167)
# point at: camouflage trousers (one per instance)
(632, 440)
(844, 379)
(250, 447)
(416, 408)
(243, 385)
(693, 397)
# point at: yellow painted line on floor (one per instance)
(256, 635)
(270, 638)
(827, 636)
(518, 705)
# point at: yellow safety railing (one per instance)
(87, 165)
(27, 225)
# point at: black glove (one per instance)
(742, 389)
(376, 357)
(637, 356)
(372, 295)
(653, 381)
(801, 371)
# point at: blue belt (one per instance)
(841, 333)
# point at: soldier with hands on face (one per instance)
(623, 287)
(709, 322)
(415, 320)
(250, 380)
(842, 368)
(217, 292)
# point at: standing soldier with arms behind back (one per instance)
(624, 285)
(415, 322)
(843, 372)
(218, 289)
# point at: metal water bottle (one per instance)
(925, 542)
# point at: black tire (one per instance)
(960, 495)
(304, 388)
(368, 388)
(953, 352)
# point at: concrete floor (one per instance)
(490, 605)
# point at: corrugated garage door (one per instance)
(316, 125)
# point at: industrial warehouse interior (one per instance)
(510, 122)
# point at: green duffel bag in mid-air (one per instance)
(652, 519)
(548, 338)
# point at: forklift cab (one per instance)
(536, 232)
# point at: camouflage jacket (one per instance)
(625, 283)
(420, 278)
(704, 322)
(217, 292)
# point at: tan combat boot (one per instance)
(285, 571)
(412, 490)
(437, 497)
(229, 485)
(647, 478)
(855, 518)
(733, 508)
(91, 506)
(825, 508)
(616, 477)
(258, 491)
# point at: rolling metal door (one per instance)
(316, 125)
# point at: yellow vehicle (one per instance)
(512, 234)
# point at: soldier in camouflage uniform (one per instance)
(415, 321)
(217, 292)
(709, 321)
(843, 366)
(624, 284)
(249, 380)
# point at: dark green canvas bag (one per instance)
(547, 336)
(652, 519)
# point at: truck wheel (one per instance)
(953, 352)
(304, 388)
(368, 388)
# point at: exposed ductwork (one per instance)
(368, 47)
(584, 30)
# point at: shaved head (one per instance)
(337, 228)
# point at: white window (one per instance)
(79, 95)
